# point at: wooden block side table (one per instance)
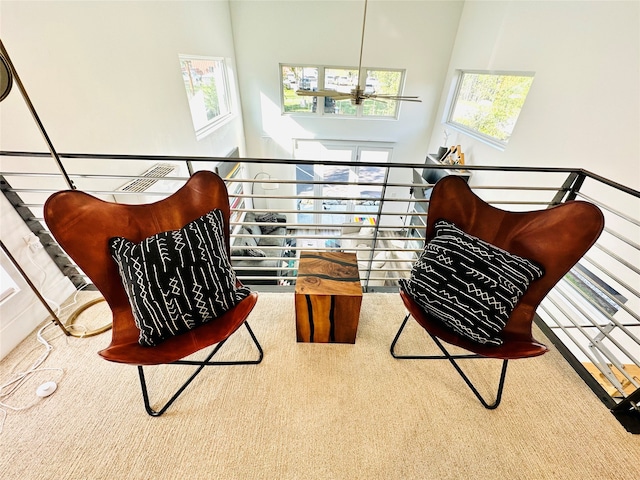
(328, 297)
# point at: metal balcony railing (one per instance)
(378, 211)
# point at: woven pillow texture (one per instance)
(177, 280)
(469, 285)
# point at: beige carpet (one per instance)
(310, 411)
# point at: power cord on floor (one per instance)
(9, 387)
(13, 384)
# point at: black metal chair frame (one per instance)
(452, 359)
(201, 364)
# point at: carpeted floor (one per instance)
(309, 411)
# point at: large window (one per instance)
(340, 80)
(359, 203)
(486, 105)
(205, 80)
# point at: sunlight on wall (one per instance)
(282, 131)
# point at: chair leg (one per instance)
(201, 365)
(452, 360)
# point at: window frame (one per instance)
(483, 137)
(359, 109)
(8, 285)
(223, 98)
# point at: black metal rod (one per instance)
(201, 364)
(280, 161)
(451, 358)
(34, 114)
(56, 320)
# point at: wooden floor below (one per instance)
(631, 370)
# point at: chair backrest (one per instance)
(556, 237)
(83, 224)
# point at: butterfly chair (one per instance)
(83, 226)
(553, 239)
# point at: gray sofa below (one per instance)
(263, 240)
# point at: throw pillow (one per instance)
(468, 284)
(269, 217)
(179, 279)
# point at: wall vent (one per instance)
(151, 187)
(143, 184)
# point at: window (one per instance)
(486, 105)
(360, 203)
(205, 80)
(339, 80)
(7, 286)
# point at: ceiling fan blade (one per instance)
(306, 93)
(323, 93)
(394, 97)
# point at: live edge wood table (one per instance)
(328, 297)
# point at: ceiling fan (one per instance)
(357, 94)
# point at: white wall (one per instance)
(104, 77)
(583, 109)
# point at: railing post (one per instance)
(569, 189)
(34, 114)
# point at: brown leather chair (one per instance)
(83, 225)
(555, 238)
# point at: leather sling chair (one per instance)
(555, 238)
(83, 225)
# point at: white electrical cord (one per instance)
(12, 385)
(18, 379)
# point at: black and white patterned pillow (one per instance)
(468, 284)
(179, 279)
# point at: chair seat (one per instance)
(515, 345)
(124, 347)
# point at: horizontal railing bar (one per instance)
(617, 257)
(196, 159)
(609, 209)
(326, 236)
(366, 213)
(362, 271)
(614, 277)
(341, 212)
(615, 300)
(348, 163)
(622, 238)
(254, 181)
(586, 352)
(425, 185)
(582, 328)
(329, 237)
(622, 324)
(565, 293)
(371, 199)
